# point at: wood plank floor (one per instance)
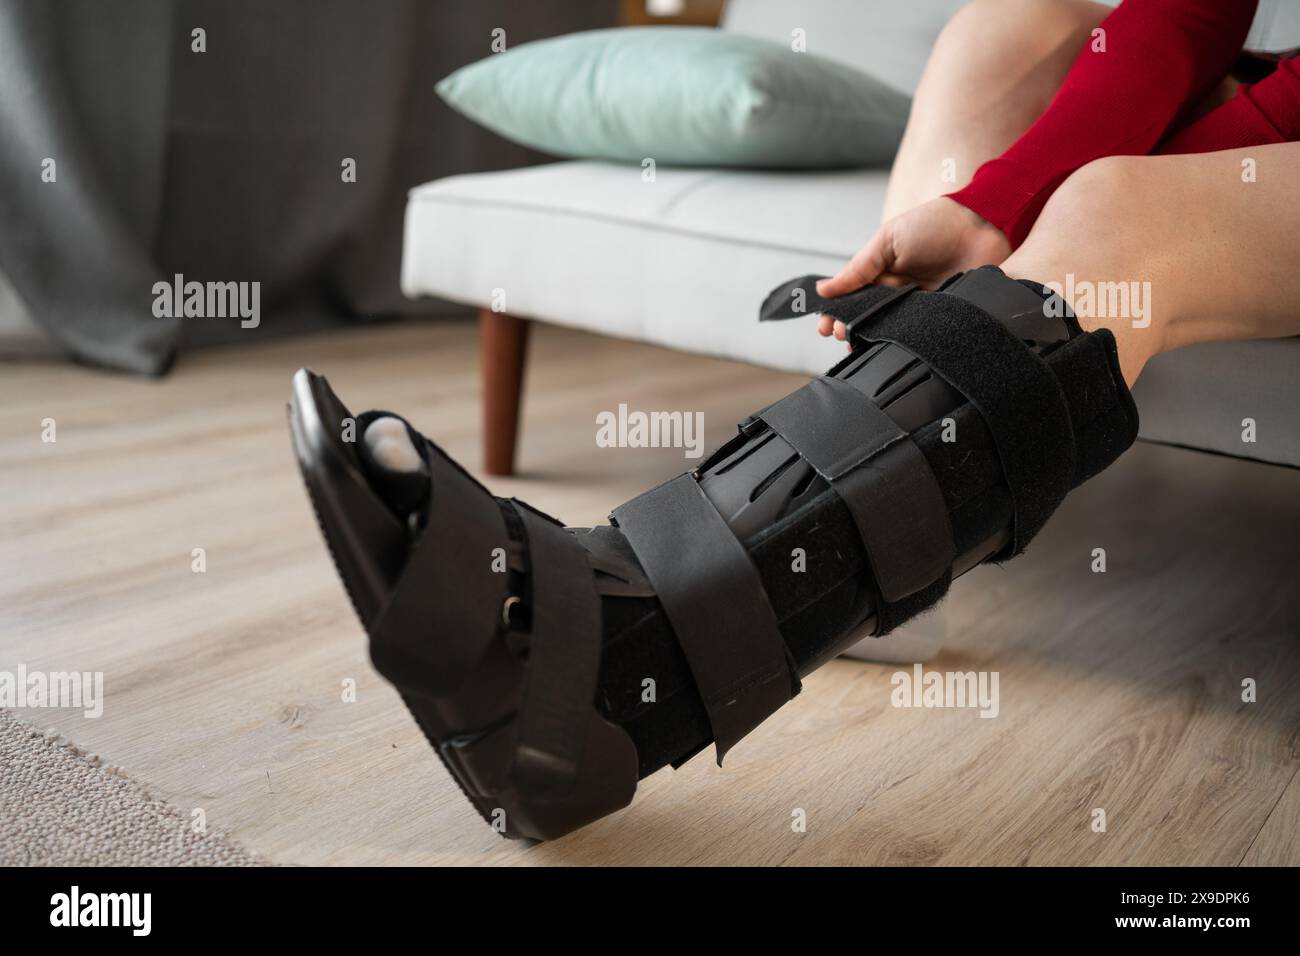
(1118, 691)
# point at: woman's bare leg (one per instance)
(993, 71)
(1210, 237)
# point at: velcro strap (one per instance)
(1012, 388)
(716, 603)
(446, 606)
(851, 321)
(880, 474)
(799, 298)
(563, 661)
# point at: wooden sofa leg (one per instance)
(503, 344)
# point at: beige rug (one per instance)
(59, 807)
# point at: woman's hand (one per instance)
(924, 245)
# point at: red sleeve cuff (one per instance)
(1003, 194)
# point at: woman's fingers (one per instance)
(829, 326)
(869, 262)
(890, 279)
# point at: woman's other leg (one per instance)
(993, 71)
(1190, 248)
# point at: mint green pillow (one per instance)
(688, 96)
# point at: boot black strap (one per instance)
(444, 610)
(716, 603)
(1010, 386)
(563, 660)
(981, 351)
(882, 477)
(799, 298)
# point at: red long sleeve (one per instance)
(1258, 113)
(1160, 56)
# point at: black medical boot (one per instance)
(949, 434)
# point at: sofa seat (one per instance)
(683, 261)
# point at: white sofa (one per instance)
(594, 246)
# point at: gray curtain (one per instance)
(225, 165)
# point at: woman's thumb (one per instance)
(864, 267)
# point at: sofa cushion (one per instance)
(683, 261)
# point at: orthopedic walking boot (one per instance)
(947, 436)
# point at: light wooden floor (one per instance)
(1119, 691)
